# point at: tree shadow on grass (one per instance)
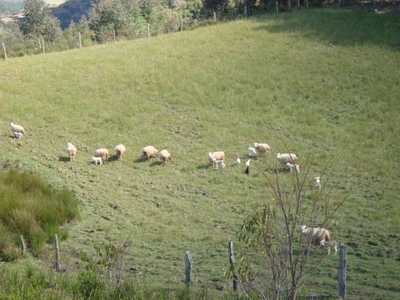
(338, 27)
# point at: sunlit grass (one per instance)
(323, 82)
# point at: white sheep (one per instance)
(148, 152)
(330, 244)
(317, 182)
(103, 153)
(285, 158)
(17, 128)
(315, 235)
(71, 149)
(18, 135)
(252, 152)
(293, 166)
(119, 151)
(219, 162)
(215, 156)
(97, 160)
(238, 160)
(164, 156)
(262, 148)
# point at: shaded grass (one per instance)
(273, 79)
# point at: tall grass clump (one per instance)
(31, 208)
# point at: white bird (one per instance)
(247, 171)
(238, 160)
(317, 182)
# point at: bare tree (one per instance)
(272, 232)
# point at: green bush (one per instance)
(31, 208)
(89, 286)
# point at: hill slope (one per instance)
(330, 92)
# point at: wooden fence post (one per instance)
(114, 36)
(4, 50)
(232, 262)
(277, 6)
(80, 40)
(23, 247)
(42, 45)
(188, 268)
(342, 271)
(148, 30)
(57, 263)
(215, 16)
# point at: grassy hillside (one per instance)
(323, 83)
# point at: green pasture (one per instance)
(324, 84)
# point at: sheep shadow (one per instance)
(150, 162)
(138, 160)
(64, 159)
(155, 163)
(204, 167)
(113, 158)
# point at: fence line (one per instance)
(189, 265)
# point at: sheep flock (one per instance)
(217, 159)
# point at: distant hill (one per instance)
(71, 10)
(9, 7)
(65, 11)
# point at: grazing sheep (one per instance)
(330, 244)
(252, 152)
(71, 149)
(238, 160)
(218, 155)
(262, 148)
(18, 135)
(285, 158)
(164, 156)
(315, 235)
(148, 152)
(17, 128)
(293, 166)
(317, 182)
(103, 153)
(120, 150)
(97, 160)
